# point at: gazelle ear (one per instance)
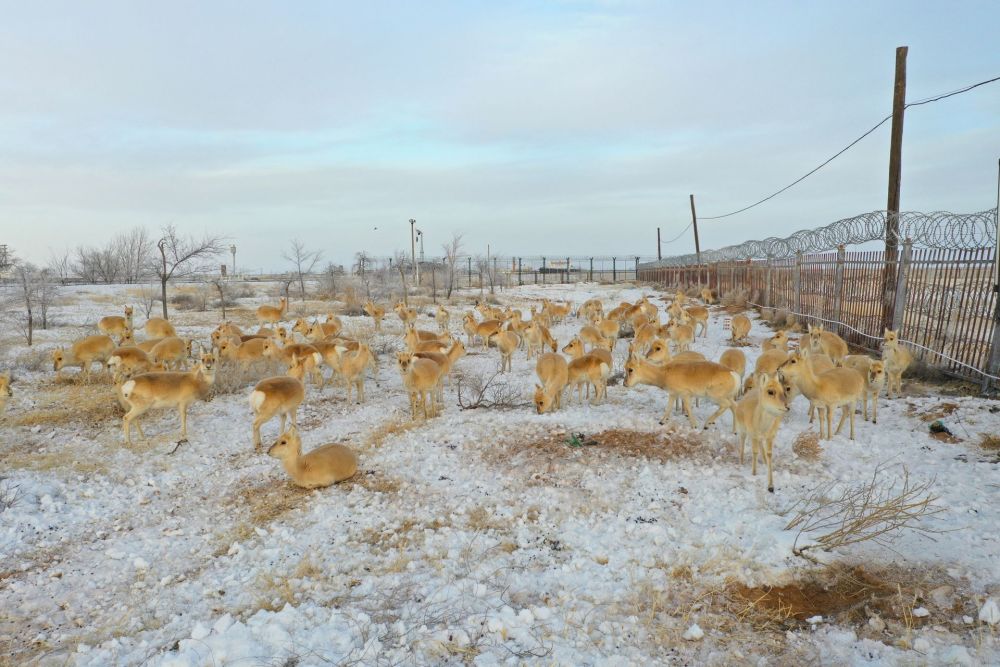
(538, 386)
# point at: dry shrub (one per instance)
(735, 301)
(374, 481)
(34, 359)
(377, 437)
(494, 392)
(921, 370)
(231, 379)
(807, 447)
(408, 533)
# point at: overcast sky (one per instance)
(555, 128)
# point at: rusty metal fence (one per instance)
(944, 305)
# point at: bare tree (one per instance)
(147, 298)
(452, 249)
(181, 257)
(400, 262)
(221, 286)
(304, 261)
(61, 265)
(133, 251)
(33, 294)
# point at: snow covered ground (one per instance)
(479, 536)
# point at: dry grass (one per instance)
(807, 446)
(735, 301)
(374, 481)
(989, 442)
(848, 595)
(409, 533)
(541, 458)
(939, 411)
(377, 437)
(72, 400)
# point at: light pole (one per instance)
(413, 250)
(232, 249)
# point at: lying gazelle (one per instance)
(553, 372)
(778, 341)
(165, 389)
(268, 314)
(278, 395)
(896, 359)
(756, 417)
(687, 379)
(836, 388)
(376, 312)
(420, 377)
(116, 325)
(83, 353)
(158, 327)
(323, 466)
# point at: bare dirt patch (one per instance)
(655, 445)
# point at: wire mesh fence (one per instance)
(943, 299)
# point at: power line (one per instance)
(849, 146)
(683, 232)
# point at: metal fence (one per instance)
(944, 302)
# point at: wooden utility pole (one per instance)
(895, 179)
(659, 248)
(697, 246)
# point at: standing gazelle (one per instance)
(267, 314)
(757, 416)
(165, 389)
(116, 325)
(278, 395)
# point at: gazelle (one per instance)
(873, 371)
(839, 387)
(6, 393)
(739, 327)
(469, 324)
(116, 325)
(420, 377)
(83, 353)
(306, 352)
(442, 317)
(699, 316)
(268, 314)
(487, 329)
(157, 327)
(734, 360)
(659, 353)
(446, 360)
(172, 352)
(126, 361)
(591, 336)
(507, 342)
(127, 338)
(244, 354)
(897, 359)
(778, 341)
(687, 379)
(827, 342)
(682, 335)
(708, 296)
(587, 370)
(757, 417)
(165, 389)
(279, 395)
(414, 337)
(406, 315)
(320, 330)
(553, 372)
(557, 311)
(352, 368)
(323, 466)
(537, 337)
(376, 312)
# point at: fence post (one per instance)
(470, 271)
(768, 296)
(838, 284)
(543, 270)
(591, 269)
(993, 367)
(519, 280)
(797, 286)
(567, 269)
(637, 269)
(614, 269)
(899, 303)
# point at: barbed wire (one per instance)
(938, 230)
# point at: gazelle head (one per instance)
(288, 445)
(543, 402)
(772, 394)
(58, 358)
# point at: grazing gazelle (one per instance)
(323, 466)
(553, 371)
(684, 380)
(83, 353)
(165, 389)
(740, 327)
(157, 327)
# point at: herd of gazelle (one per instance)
(154, 373)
